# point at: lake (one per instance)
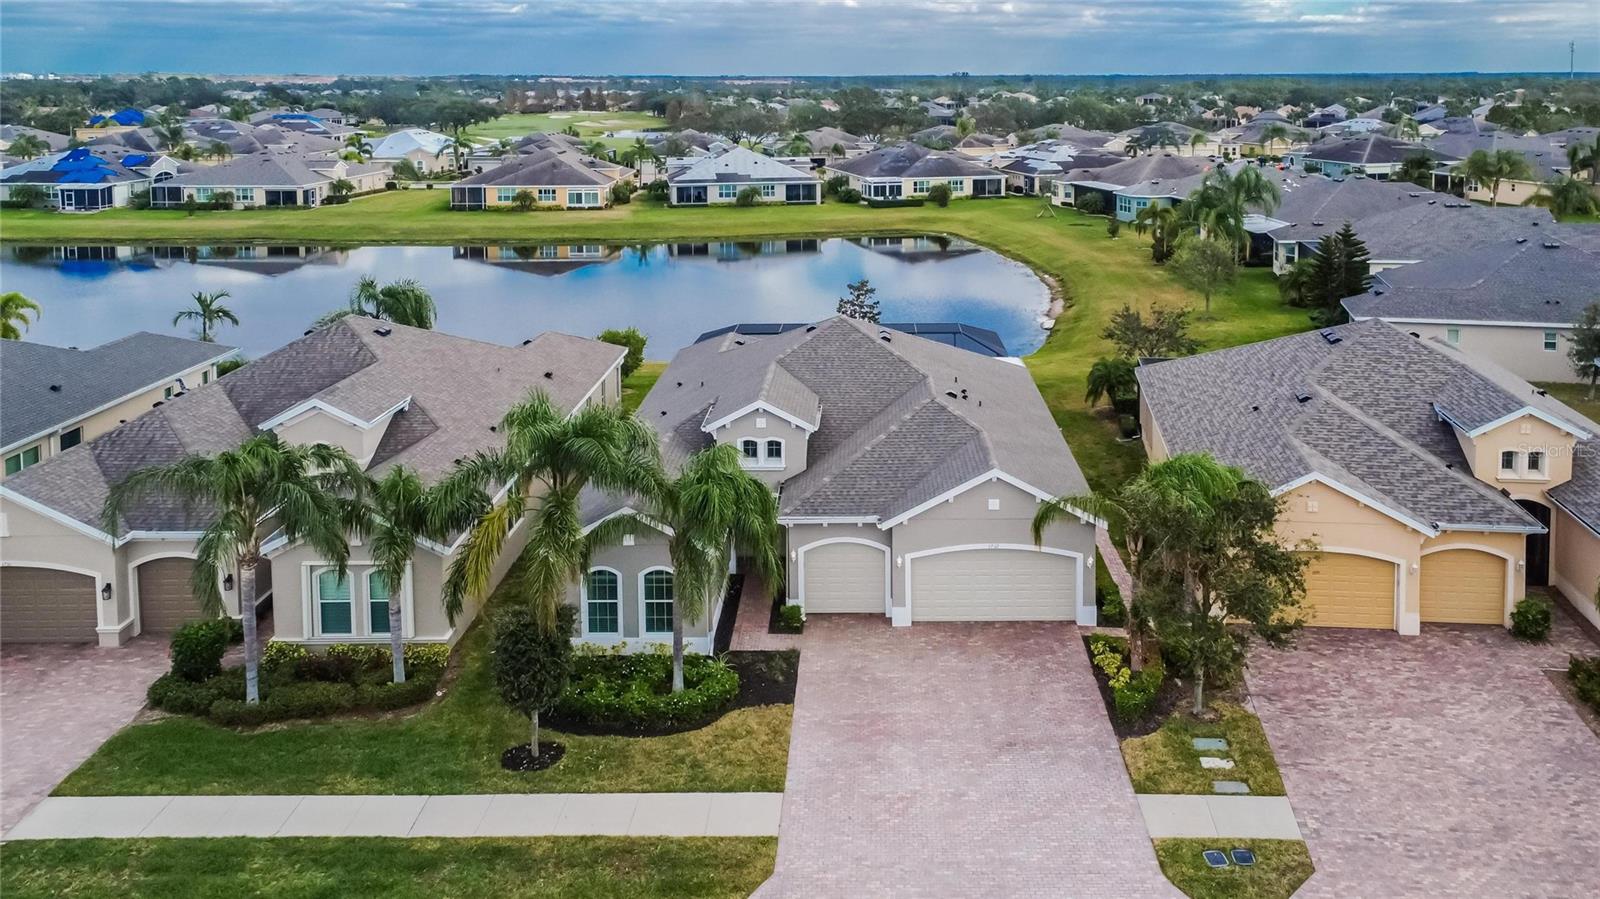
(672, 292)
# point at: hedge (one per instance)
(630, 691)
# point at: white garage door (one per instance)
(994, 585)
(843, 577)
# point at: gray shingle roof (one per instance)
(908, 160)
(1543, 156)
(269, 169)
(1140, 169)
(543, 168)
(1371, 419)
(457, 388)
(1536, 278)
(738, 165)
(88, 379)
(1366, 149)
(890, 434)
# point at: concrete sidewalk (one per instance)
(1244, 817)
(485, 815)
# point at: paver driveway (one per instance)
(1439, 765)
(955, 760)
(58, 704)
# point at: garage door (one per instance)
(1463, 586)
(165, 598)
(993, 585)
(1343, 590)
(42, 605)
(844, 577)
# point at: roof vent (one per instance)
(810, 328)
(528, 341)
(885, 338)
(1331, 337)
(1316, 223)
(1522, 240)
(156, 403)
(1255, 408)
(738, 343)
(1377, 293)
(549, 375)
(680, 383)
(309, 332)
(663, 412)
(492, 428)
(1551, 245)
(952, 394)
(383, 332)
(55, 388)
(1302, 397)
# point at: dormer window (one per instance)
(1535, 464)
(1508, 462)
(751, 450)
(774, 455)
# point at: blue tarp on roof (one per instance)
(79, 166)
(129, 116)
(134, 160)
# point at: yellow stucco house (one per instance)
(1436, 487)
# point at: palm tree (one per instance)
(15, 310)
(1197, 139)
(170, 134)
(342, 187)
(209, 312)
(712, 503)
(311, 492)
(1110, 378)
(219, 150)
(1272, 134)
(401, 513)
(404, 302)
(1493, 168)
(453, 147)
(1223, 199)
(185, 152)
(1163, 223)
(1580, 156)
(1417, 168)
(1296, 284)
(545, 450)
(797, 145)
(598, 149)
(28, 146)
(1569, 196)
(1407, 128)
(1145, 510)
(360, 146)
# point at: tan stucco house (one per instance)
(1512, 302)
(56, 398)
(907, 170)
(1437, 488)
(556, 179)
(908, 472)
(717, 180)
(390, 395)
(270, 178)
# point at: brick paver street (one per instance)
(58, 704)
(955, 760)
(1439, 765)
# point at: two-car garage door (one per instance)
(44, 605)
(1457, 586)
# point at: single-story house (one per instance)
(909, 170)
(78, 180)
(1260, 137)
(1372, 155)
(908, 472)
(59, 397)
(269, 179)
(428, 150)
(1160, 179)
(55, 142)
(1436, 487)
(555, 179)
(1513, 301)
(718, 180)
(1130, 141)
(1545, 160)
(375, 388)
(828, 143)
(1327, 115)
(980, 145)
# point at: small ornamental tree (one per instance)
(832, 186)
(631, 338)
(1584, 351)
(1090, 204)
(860, 304)
(939, 194)
(1113, 227)
(523, 200)
(1203, 265)
(657, 190)
(532, 663)
(1164, 333)
(750, 196)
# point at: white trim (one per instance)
(827, 520)
(583, 608)
(1454, 322)
(318, 405)
(1359, 497)
(1511, 575)
(1084, 615)
(1404, 622)
(1540, 414)
(80, 419)
(405, 607)
(993, 474)
(627, 510)
(39, 508)
(645, 635)
(762, 462)
(800, 575)
(711, 427)
(99, 584)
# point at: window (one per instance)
(549, 251)
(377, 603)
(166, 394)
(583, 197)
(203, 194)
(1453, 335)
(506, 194)
(768, 191)
(1550, 341)
(1508, 461)
(750, 449)
(333, 603)
(547, 195)
(957, 185)
(657, 602)
(72, 438)
(18, 461)
(1536, 463)
(1125, 204)
(775, 452)
(244, 194)
(205, 376)
(919, 186)
(727, 191)
(601, 608)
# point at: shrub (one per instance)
(628, 691)
(1530, 619)
(171, 693)
(750, 196)
(940, 195)
(622, 193)
(523, 200)
(27, 196)
(1113, 226)
(848, 195)
(531, 665)
(224, 367)
(389, 696)
(792, 618)
(1585, 676)
(1312, 168)
(197, 649)
(1127, 424)
(223, 199)
(886, 203)
(280, 654)
(833, 186)
(1131, 694)
(139, 199)
(1108, 598)
(327, 667)
(658, 190)
(630, 338)
(1090, 204)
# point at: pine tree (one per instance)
(1339, 269)
(860, 304)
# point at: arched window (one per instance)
(750, 449)
(602, 613)
(333, 602)
(774, 452)
(658, 601)
(377, 603)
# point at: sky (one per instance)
(774, 37)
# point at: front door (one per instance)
(1538, 547)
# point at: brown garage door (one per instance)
(42, 605)
(1344, 590)
(165, 597)
(1463, 586)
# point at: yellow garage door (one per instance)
(1343, 590)
(1463, 586)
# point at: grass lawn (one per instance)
(636, 385)
(1281, 866)
(1576, 396)
(589, 124)
(1098, 274)
(1166, 762)
(452, 745)
(488, 868)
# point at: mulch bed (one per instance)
(775, 624)
(767, 677)
(723, 638)
(1175, 695)
(518, 758)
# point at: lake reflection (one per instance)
(503, 293)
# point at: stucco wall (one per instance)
(1518, 350)
(762, 426)
(1575, 562)
(630, 562)
(800, 536)
(1522, 436)
(294, 569)
(316, 426)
